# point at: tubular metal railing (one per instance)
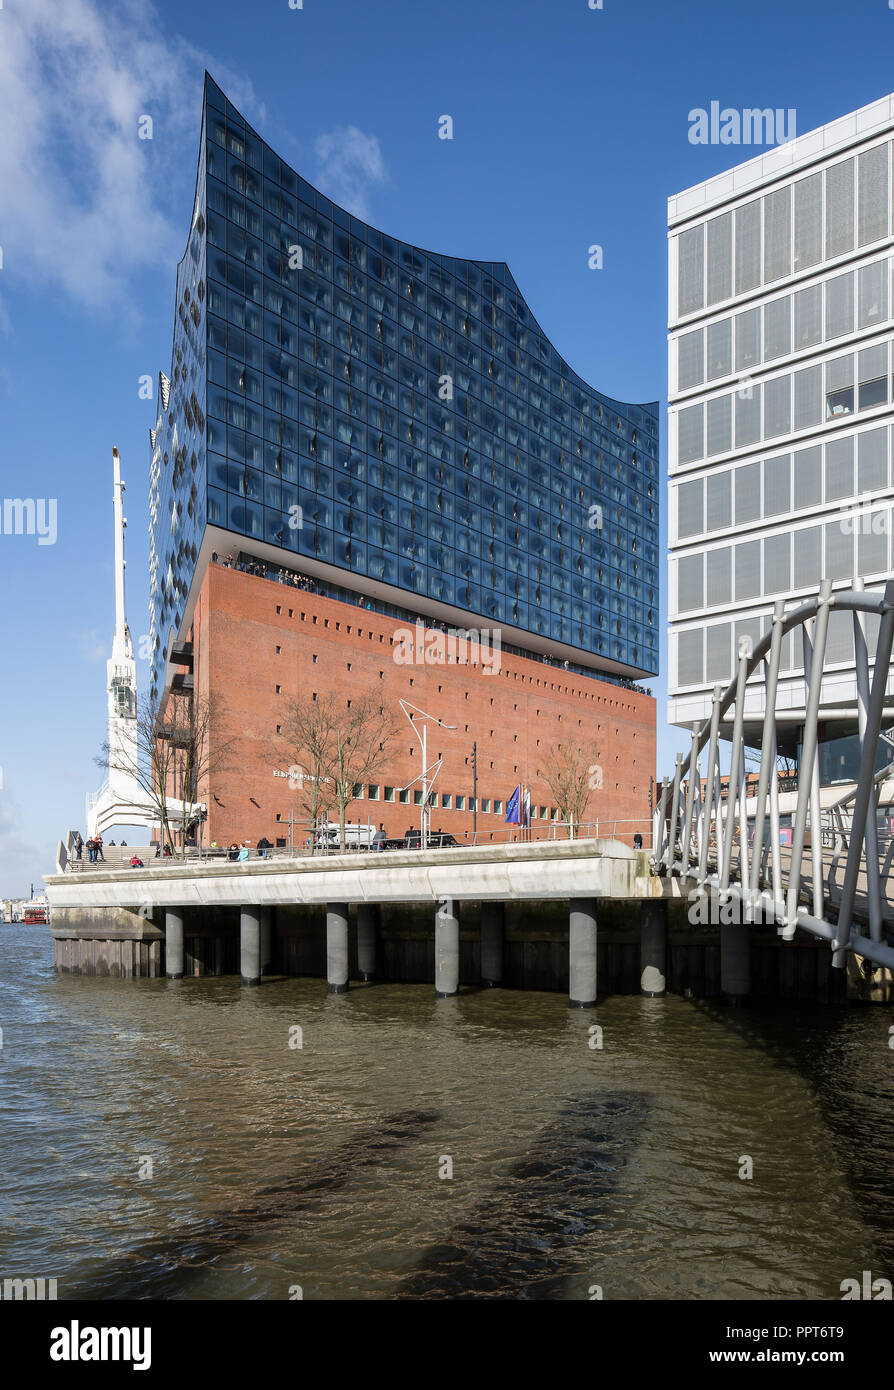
(688, 823)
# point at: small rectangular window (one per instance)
(485, 805)
(807, 557)
(417, 797)
(872, 282)
(446, 801)
(460, 803)
(808, 480)
(720, 349)
(691, 359)
(389, 793)
(748, 339)
(690, 507)
(840, 387)
(373, 793)
(498, 808)
(403, 796)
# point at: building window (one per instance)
(403, 796)
(446, 801)
(279, 690)
(279, 651)
(485, 805)
(279, 728)
(498, 808)
(460, 803)
(472, 805)
(417, 797)
(389, 793)
(373, 793)
(357, 792)
(278, 609)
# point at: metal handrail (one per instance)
(682, 847)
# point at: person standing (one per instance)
(78, 845)
(98, 848)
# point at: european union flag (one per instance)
(513, 808)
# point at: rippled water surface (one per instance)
(320, 1167)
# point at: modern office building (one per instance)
(780, 392)
(384, 428)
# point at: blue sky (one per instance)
(570, 127)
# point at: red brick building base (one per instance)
(259, 644)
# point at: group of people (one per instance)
(265, 571)
(93, 846)
(242, 852)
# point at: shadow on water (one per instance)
(843, 1055)
(163, 1268)
(526, 1241)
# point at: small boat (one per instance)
(34, 914)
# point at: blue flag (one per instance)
(513, 808)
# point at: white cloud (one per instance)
(350, 163)
(87, 203)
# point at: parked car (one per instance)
(437, 839)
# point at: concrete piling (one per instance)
(250, 945)
(174, 943)
(337, 947)
(447, 948)
(582, 953)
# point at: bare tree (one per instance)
(572, 773)
(174, 754)
(308, 728)
(361, 734)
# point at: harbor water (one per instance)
(195, 1140)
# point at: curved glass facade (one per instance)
(394, 414)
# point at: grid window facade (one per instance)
(395, 414)
(782, 324)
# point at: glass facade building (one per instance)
(392, 420)
(781, 360)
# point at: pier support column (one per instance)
(582, 953)
(735, 959)
(174, 943)
(250, 945)
(493, 919)
(367, 928)
(446, 948)
(653, 948)
(337, 947)
(266, 940)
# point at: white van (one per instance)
(356, 836)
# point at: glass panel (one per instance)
(748, 246)
(691, 269)
(720, 349)
(690, 507)
(691, 359)
(840, 208)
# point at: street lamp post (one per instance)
(423, 740)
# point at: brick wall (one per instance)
(260, 644)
